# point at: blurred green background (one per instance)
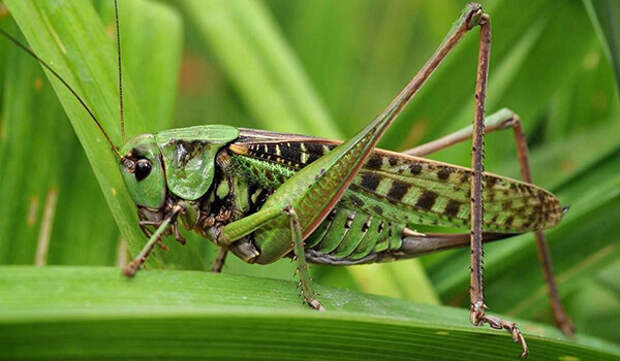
(323, 68)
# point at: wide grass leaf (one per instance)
(72, 38)
(605, 16)
(94, 313)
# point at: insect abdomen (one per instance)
(352, 235)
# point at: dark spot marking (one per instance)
(374, 162)
(314, 150)
(426, 200)
(296, 146)
(509, 221)
(349, 220)
(381, 226)
(542, 197)
(356, 201)
(271, 148)
(365, 226)
(312, 157)
(291, 153)
(452, 209)
(331, 215)
(444, 173)
(377, 209)
(490, 181)
(269, 175)
(393, 161)
(415, 168)
(398, 190)
(464, 178)
(370, 181)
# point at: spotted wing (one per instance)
(412, 190)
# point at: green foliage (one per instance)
(110, 317)
(318, 67)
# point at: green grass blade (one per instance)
(93, 313)
(73, 39)
(55, 33)
(605, 16)
(29, 128)
(261, 66)
(151, 36)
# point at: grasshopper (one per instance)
(264, 196)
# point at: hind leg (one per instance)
(504, 119)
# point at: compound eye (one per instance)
(143, 169)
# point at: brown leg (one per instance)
(504, 119)
(476, 290)
(220, 260)
(130, 269)
(501, 119)
(557, 308)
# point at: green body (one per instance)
(219, 168)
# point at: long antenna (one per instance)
(120, 69)
(46, 66)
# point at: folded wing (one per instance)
(415, 191)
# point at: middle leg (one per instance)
(305, 282)
(220, 260)
(502, 119)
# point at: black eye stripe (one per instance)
(143, 169)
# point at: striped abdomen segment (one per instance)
(352, 235)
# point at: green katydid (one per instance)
(264, 196)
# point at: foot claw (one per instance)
(478, 317)
(314, 303)
(567, 327)
(177, 235)
(162, 246)
(131, 268)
